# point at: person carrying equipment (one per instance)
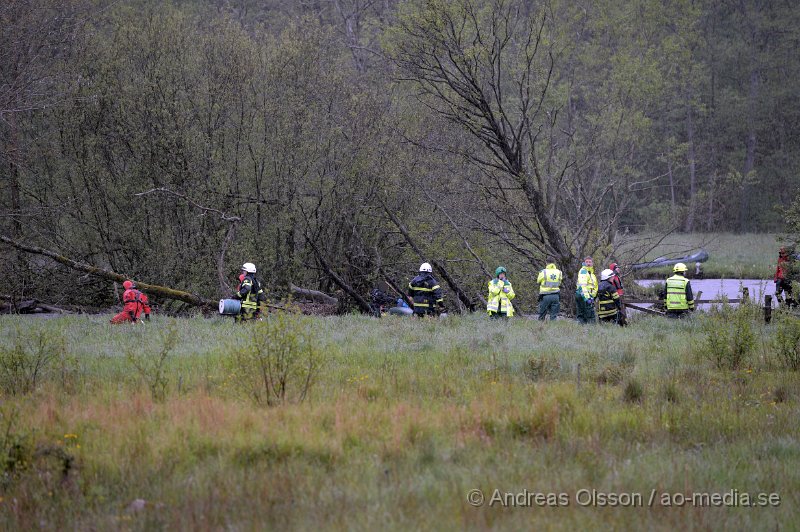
(425, 292)
(677, 293)
(500, 295)
(549, 291)
(250, 293)
(608, 299)
(586, 292)
(135, 303)
(783, 280)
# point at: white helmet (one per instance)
(425, 267)
(249, 267)
(606, 274)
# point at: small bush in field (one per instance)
(16, 449)
(612, 374)
(787, 342)
(633, 392)
(729, 338)
(281, 362)
(670, 393)
(781, 394)
(33, 358)
(542, 367)
(152, 365)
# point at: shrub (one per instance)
(633, 392)
(612, 374)
(542, 367)
(33, 358)
(16, 449)
(781, 394)
(729, 338)
(787, 342)
(281, 362)
(152, 365)
(670, 392)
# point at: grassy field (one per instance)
(155, 426)
(731, 256)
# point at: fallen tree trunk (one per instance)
(28, 306)
(314, 295)
(154, 289)
(644, 309)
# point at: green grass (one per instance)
(406, 417)
(731, 256)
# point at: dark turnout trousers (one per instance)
(549, 302)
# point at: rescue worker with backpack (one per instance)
(425, 292)
(135, 303)
(549, 281)
(498, 304)
(610, 308)
(250, 293)
(586, 292)
(677, 293)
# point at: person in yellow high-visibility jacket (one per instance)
(549, 291)
(500, 295)
(586, 292)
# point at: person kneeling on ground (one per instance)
(549, 291)
(135, 303)
(425, 292)
(501, 293)
(677, 293)
(608, 299)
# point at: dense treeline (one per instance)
(337, 143)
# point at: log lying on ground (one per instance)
(16, 305)
(314, 295)
(154, 289)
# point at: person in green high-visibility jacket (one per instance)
(586, 292)
(677, 293)
(549, 291)
(500, 295)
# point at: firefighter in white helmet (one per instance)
(250, 293)
(425, 292)
(610, 308)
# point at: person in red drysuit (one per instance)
(135, 303)
(616, 282)
(783, 281)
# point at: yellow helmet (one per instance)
(680, 267)
(551, 266)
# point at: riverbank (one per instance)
(731, 256)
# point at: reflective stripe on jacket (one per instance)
(549, 280)
(250, 292)
(498, 300)
(608, 300)
(678, 293)
(587, 283)
(425, 291)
